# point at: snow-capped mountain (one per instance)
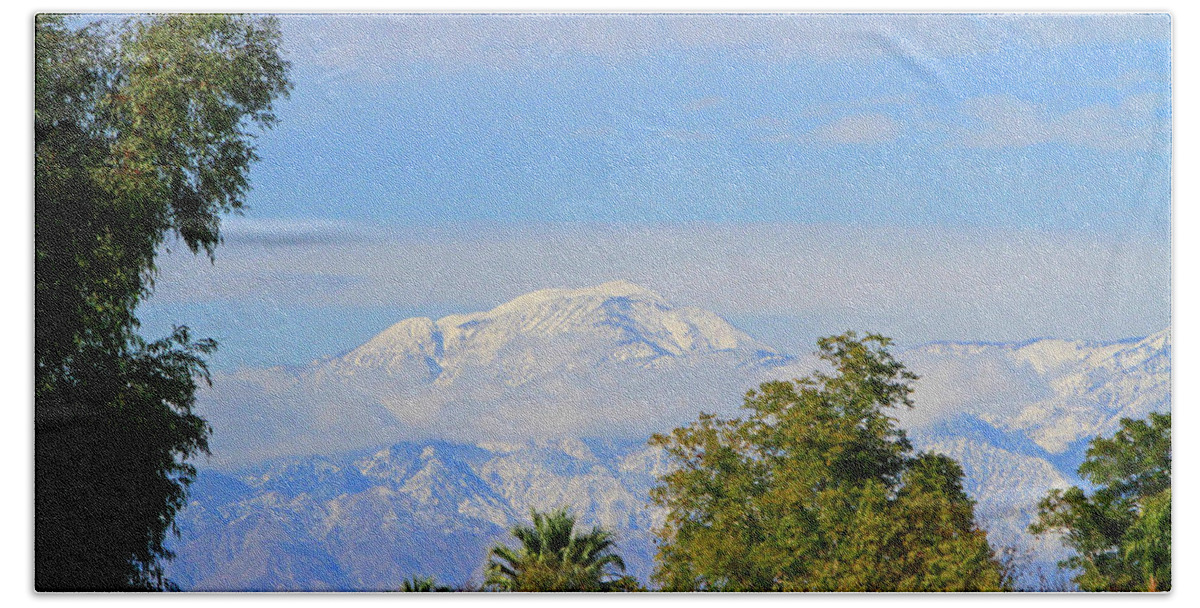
(1019, 417)
(548, 400)
(1058, 393)
(615, 360)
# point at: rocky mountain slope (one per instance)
(369, 521)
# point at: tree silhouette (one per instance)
(143, 131)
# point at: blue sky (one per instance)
(929, 177)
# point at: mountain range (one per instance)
(415, 452)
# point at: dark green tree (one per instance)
(1121, 531)
(143, 132)
(816, 489)
(553, 557)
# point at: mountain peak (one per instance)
(605, 291)
(621, 288)
(546, 365)
(620, 318)
(545, 334)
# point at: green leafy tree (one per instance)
(816, 489)
(143, 132)
(553, 557)
(1120, 532)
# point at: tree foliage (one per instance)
(816, 489)
(423, 584)
(143, 132)
(553, 557)
(1121, 531)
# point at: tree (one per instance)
(816, 489)
(1120, 532)
(143, 131)
(553, 557)
(423, 584)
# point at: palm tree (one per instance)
(427, 583)
(553, 557)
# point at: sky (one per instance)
(929, 177)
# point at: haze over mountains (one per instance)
(615, 360)
(414, 452)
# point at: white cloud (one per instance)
(1005, 121)
(704, 103)
(685, 135)
(860, 129)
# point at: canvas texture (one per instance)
(475, 282)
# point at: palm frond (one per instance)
(553, 557)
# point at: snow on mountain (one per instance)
(426, 509)
(611, 360)
(546, 331)
(1055, 395)
(1019, 416)
(1007, 486)
(547, 401)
